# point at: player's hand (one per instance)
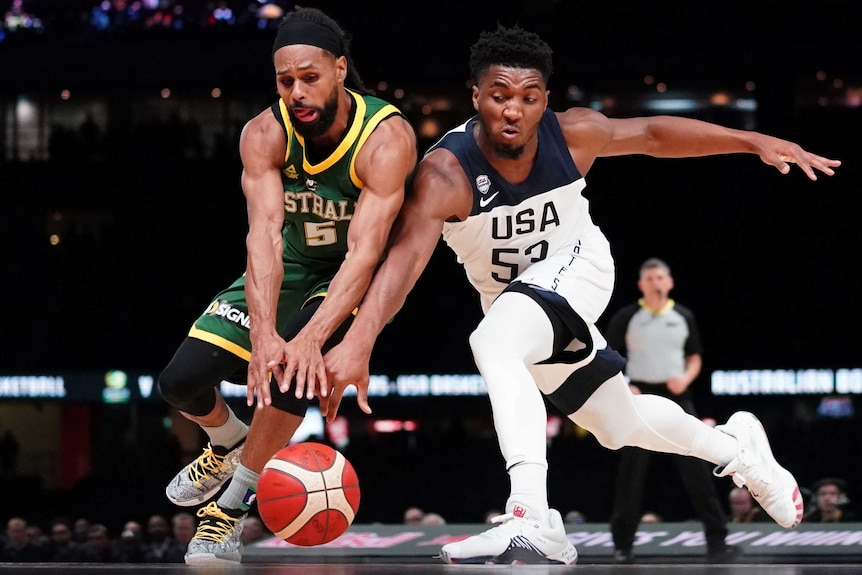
(265, 351)
(346, 365)
(677, 385)
(301, 358)
(781, 153)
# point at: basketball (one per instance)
(308, 494)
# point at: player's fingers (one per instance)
(288, 370)
(362, 399)
(334, 402)
(300, 382)
(801, 159)
(277, 372)
(249, 394)
(324, 405)
(263, 397)
(310, 384)
(321, 380)
(825, 165)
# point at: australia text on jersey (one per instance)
(309, 202)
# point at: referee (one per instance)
(660, 341)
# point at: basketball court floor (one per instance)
(431, 569)
(662, 549)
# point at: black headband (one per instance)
(310, 32)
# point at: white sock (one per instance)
(530, 489)
(714, 446)
(229, 434)
(241, 492)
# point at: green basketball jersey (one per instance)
(319, 201)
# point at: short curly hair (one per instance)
(514, 47)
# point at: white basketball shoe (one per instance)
(202, 478)
(756, 468)
(517, 539)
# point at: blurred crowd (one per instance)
(159, 540)
(24, 16)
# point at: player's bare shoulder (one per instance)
(262, 137)
(441, 184)
(391, 147)
(586, 132)
(583, 125)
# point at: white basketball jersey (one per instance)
(512, 227)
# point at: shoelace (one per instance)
(754, 481)
(502, 518)
(205, 465)
(216, 525)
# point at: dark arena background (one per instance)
(122, 215)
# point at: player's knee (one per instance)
(613, 439)
(169, 387)
(479, 342)
(287, 401)
(186, 392)
(490, 345)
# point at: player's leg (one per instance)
(190, 384)
(218, 535)
(598, 398)
(514, 334)
(739, 448)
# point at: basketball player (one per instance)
(323, 175)
(504, 188)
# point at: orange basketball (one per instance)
(308, 494)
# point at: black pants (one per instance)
(696, 475)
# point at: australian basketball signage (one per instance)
(110, 386)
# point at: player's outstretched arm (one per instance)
(675, 137)
(432, 200)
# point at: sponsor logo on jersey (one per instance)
(226, 311)
(290, 172)
(483, 202)
(310, 203)
(483, 182)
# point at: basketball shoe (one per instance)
(517, 539)
(203, 477)
(217, 537)
(756, 468)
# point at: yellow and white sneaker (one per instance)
(202, 478)
(217, 539)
